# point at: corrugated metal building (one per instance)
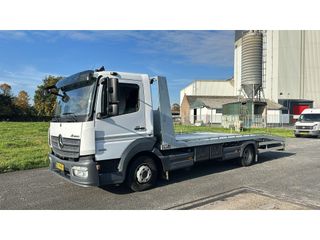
(291, 67)
(202, 100)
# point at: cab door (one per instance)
(114, 134)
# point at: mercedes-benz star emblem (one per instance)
(60, 141)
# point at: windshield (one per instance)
(309, 118)
(78, 104)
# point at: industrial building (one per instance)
(280, 68)
(290, 68)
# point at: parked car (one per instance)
(308, 123)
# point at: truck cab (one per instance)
(308, 123)
(98, 116)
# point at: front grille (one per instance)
(70, 149)
(304, 127)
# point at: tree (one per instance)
(22, 102)
(45, 104)
(6, 89)
(6, 105)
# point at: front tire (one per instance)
(297, 135)
(248, 156)
(142, 174)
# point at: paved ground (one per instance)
(292, 175)
(249, 201)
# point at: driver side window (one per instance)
(128, 98)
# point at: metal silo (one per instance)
(251, 60)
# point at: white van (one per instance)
(308, 123)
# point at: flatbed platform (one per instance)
(199, 136)
(207, 138)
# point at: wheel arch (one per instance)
(152, 155)
(140, 147)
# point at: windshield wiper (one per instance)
(73, 115)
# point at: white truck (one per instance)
(105, 131)
(308, 123)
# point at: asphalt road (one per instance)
(293, 175)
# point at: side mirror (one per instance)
(111, 100)
(113, 97)
(113, 90)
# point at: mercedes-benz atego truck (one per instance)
(105, 131)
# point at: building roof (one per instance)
(216, 102)
(274, 106)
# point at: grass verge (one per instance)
(23, 145)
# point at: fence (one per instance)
(238, 122)
(203, 119)
(234, 121)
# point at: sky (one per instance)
(26, 57)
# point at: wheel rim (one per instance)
(143, 174)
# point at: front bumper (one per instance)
(307, 132)
(94, 177)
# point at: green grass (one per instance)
(281, 132)
(23, 145)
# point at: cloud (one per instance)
(194, 47)
(24, 78)
(26, 75)
(209, 48)
(13, 35)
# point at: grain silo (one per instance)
(251, 110)
(251, 69)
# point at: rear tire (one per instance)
(142, 174)
(248, 156)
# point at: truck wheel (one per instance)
(247, 156)
(142, 174)
(297, 135)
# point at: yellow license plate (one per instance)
(60, 166)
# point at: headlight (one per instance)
(315, 127)
(80, 171)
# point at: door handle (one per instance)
(139, 128)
